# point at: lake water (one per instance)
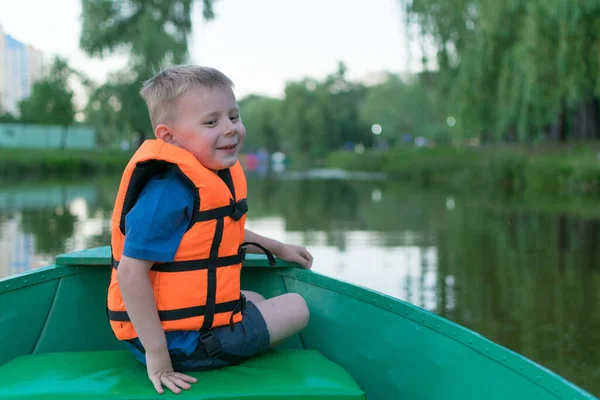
(526, 276)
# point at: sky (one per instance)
(259, 44)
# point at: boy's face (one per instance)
(207, 124)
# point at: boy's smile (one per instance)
(207, 123)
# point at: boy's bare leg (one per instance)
(253, 296)
(285, 315)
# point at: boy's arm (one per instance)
(138, 297)
(271, 244)
(140, 303)
(287, 252)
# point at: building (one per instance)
(35, 64)
(20, 66)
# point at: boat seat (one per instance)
(285, 374)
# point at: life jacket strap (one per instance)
(235, 210)
(211, 276)
(268, 253)
(180, 313)
(194, 265)
(208, 347)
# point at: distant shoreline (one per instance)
(27, 164)
(569, 171)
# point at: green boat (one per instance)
(56, 343)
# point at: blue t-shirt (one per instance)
(156, 223)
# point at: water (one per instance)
(527, 276)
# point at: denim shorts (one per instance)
(246, 338)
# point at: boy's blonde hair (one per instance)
(162, 90)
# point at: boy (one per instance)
(178, 239)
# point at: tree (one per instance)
(51, 100)
(8, 118)
(324, 116)
(111, 109)
(403, 107)
(153, 33)
(304, 123)
(262, 118)
(518, 70)
(341, 101)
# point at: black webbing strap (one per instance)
(211, 285)
(208, 347)
(225, 175)
(180, 313)
(233, 210)
(269, 255)
(193, 265)
(241, 306)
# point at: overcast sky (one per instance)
(259, 43)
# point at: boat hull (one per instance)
(394, 350)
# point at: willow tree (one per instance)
(514, 69)
(153, 33)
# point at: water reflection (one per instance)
(526, 279)
(37, 222)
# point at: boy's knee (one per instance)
(302, 312)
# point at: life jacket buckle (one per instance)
(210, 344)
(239, 209)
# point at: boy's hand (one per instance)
(160, 372)
(297, 254)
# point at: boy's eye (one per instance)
(211, 122)
(234, 117)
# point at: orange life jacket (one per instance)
(200, 289)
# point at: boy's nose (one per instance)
(229, 128)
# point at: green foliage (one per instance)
(317, 117)
(41, 164)
(151, 32)
(116, 109)
(342, 100)
(51, 100)
(50, 227)
(304, 123)
(154, 34)
(556, 172)
(262, 118)
(515, 70)
(323, 116)
(8, 118)
(403, 107)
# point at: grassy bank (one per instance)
(557, 171)
(41, 164)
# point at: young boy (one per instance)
(178, 239)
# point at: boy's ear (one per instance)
(163, 133)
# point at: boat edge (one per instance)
(469, 338)
(518, 363)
